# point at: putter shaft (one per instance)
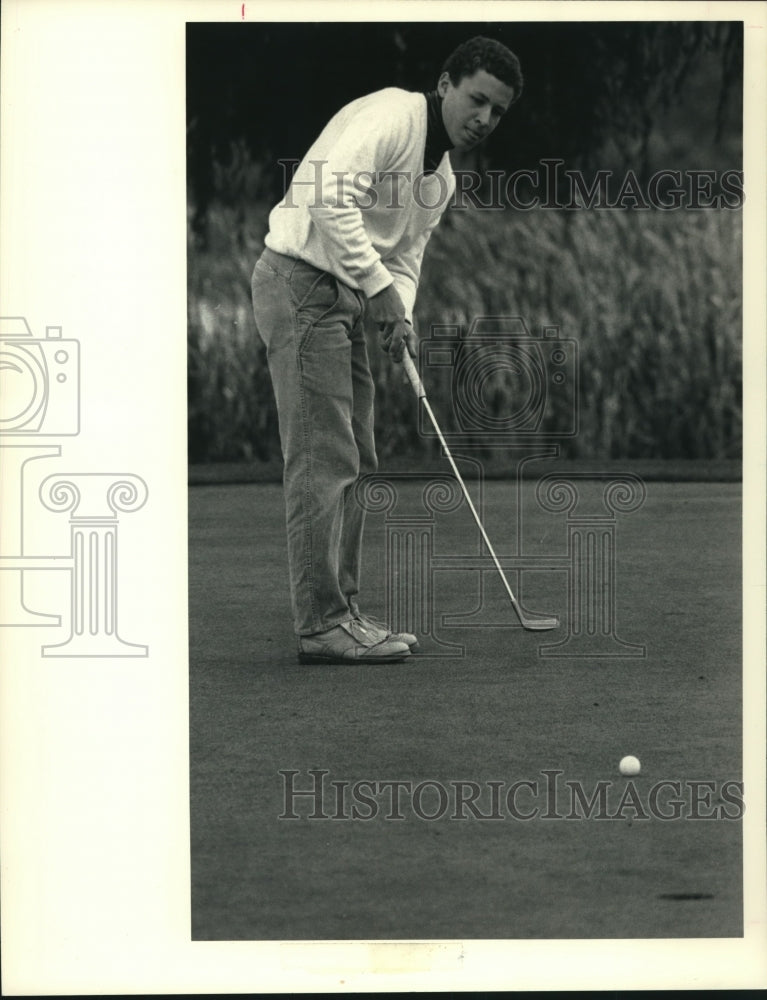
(534, 624)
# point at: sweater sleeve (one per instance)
(405, 269)
(364, 148)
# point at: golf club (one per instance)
(537, 624)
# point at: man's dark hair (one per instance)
(487, 54)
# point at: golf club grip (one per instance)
(412, 374)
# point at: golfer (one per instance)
(344, 246)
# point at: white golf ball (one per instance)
(629, 765)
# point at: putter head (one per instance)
(540, 624)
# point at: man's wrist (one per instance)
(378, 280)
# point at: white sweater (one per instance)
(343, 214)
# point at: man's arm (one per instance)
(364, 148)
(369, 145)
(405, 268)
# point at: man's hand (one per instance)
(410, 343)
(388, 313)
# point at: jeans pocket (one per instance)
(315, 295)
(271, 309)
(264, 268)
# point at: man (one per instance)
(345, 245)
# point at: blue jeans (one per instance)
(312, 325)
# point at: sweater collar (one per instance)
(437, 139)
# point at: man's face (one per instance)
(472, 110)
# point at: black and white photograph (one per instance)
(382, 433)
(504, 710)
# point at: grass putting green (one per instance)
(499, 716)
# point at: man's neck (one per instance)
(437, 139)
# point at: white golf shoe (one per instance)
(382, 629)
(351, 642)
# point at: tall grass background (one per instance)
(652, 298)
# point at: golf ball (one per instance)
(629, 765)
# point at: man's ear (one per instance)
(442, 84)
